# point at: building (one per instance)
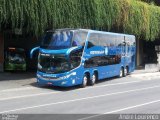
(10, 38)
(1, 52)
(22, 24)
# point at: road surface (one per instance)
(134, 94)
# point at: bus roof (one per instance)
(111, 33)
(91, 31)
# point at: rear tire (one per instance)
(93, 79)
(125, 71)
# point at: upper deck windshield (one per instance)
(63, 39)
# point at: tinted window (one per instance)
(53, 63)
(57, 40)
(102, 40)
(107, 40)
(119, 40)
(111, 39)
(75, 58)
(15, 56)
(102, 61)
(93, 40)
(132, 40)
(79, 38)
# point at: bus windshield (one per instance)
(16, 57)
(57, 40)
(63, 39)
(53, 63)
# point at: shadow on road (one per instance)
(17, 76)
(29, 79)
(56, 88)
(64, 89)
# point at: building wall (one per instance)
(1, 52)
(139, 53)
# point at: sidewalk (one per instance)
(142, 71)
(16, 75)
(148, 68)
(145, 74)
(17, 79)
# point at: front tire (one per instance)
(121, 73)
(84, 81)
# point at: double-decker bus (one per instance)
(69, 57)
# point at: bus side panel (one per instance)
(108, 71)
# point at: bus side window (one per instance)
(90, 45)
(93, 40)
(75, 58)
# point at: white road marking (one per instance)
(113, 84)
(146, 75)
(119, 110)
(80, 99)
(31, 88)
(48, 93)
(31, 95)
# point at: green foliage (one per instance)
(128, 16)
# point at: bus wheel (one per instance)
(125, 71)
(94, 79)
(121, 74)
(84, 82)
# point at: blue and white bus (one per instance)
(69, 57)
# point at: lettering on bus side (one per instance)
(96, 52)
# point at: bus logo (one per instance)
(96, 52)
(106, 51)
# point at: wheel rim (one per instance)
(125, 71)
(93, 78)
(85, 81)
(121, 73)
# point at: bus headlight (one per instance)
(64, 77)
(39, 76)
(55, 78)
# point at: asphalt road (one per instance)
(134, 94)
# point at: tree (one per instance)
(127, 16)
(157, 2)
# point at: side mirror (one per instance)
(33, 51)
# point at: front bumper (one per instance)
(56, 81)
(15, 67)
